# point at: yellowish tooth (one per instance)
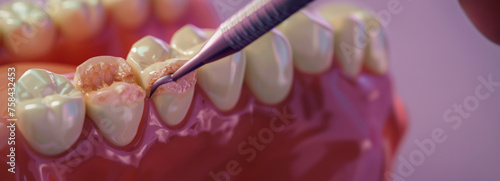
(376, 59)
(50, 111)
(311, 38)
(350, 44)
(114, 102)
(77, 20)
(27, 30)
(269, 69)
(187, 37)
(170, 10)
(128, 13)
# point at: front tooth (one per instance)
(376, 59)
(269, 69)
(169, 10)
(28, 31)
(50, 111)
(128, 13)
(187, 37)
(151, 58)
(350, 44)
(77, 19)
(145, 52)
(172, 100)
(113, 99)
(311, 38)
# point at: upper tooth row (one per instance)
(113, 86)
(29, 30)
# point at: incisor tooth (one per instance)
(50, 111)
(78, 20)
(169, 10)
(114, 102)
(350, 44)
(311, 38)
(27, 30)
(128, 13)
(269, 69)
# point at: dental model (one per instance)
(290, 106)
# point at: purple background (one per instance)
(436, 55)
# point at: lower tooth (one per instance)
(187, 37)
(50, 111)
(269, 69)
(78, 20)
(311, 38)
(114, 101)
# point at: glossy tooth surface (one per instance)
(145, 52)
(188, 37)
(376, 59)
(170, 10)
(311, 39)
(128, 13)
(350, 44)
(77, 20)
(172, 100)
(269, 69)
(50, 111)
(27, 30)
(113, 100)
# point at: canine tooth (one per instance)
(311, 39)
(77, 19)
(50, 111)
(128, 13)
(172, 100)
(269, 69)
(170, 10)
(145, 52)
(113, 99)
(187, 37)
(27, 30)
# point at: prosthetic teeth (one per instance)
(312, 53)
(269, 69)
(151, 58)
(360, 39)
(114, 101)
(169, 10)
(27, 30)
(128, 13)
(77, 20)
(50, 111)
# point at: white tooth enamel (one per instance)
(336, 13)
(27, 30)
(77, 20)
(269, 69)
(116, 109)
(145, 52)
(376, 53)
(128, 13)
(187, 37)
(50, 111)
(350, 44)
(170, 10)
(311, 38)
(171, 106)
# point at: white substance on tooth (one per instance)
(128, 13)
(50, 111)
(269, 69)
(77, 20)
(170, 10)
(311, 38)
(27, 30)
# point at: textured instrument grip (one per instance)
(257, 18)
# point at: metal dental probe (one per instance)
(241, 29)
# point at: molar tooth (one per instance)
(269, 69)
(187, 37)
(78, 20)
(114, 102)
(128, 13)
(172, 100)
(170, 10)
(50, 111)
(28, 31)
(311, 38)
